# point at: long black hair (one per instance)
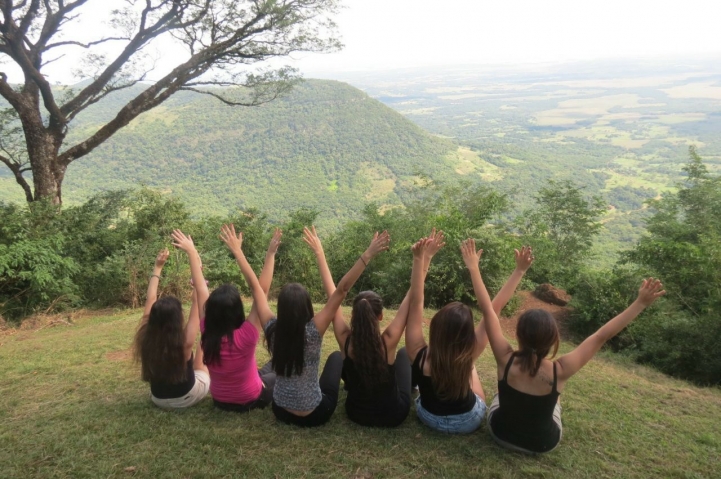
(286, 336)
(369, 350)
(224, 314)
(160, 343)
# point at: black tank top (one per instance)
(362, 402)
(429, 400)
(526, 420)
(171, 391)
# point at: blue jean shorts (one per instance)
(456, 424)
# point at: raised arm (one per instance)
(234, 242)
(524, 259)
(152, 294)
(394, 331)
(500, 346)
(414, 327)
(569, 364)
(340, 328)
(323, 319)
(185, 243)
(266, 274)
(192, 327)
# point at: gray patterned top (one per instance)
(301, 392)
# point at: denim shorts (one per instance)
(456, 424)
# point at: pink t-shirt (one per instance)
(236, 380)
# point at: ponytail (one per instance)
(530, 360)
(537, 334)
(369, 350)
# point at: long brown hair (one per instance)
(160, 343)
(537, 334)
(369, 350)
(451, 344)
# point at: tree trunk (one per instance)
(48, 179)
(48, 172)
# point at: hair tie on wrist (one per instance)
(361, 258)
(154, 276)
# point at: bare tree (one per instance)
(221, 39)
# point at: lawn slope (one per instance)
(72, 405)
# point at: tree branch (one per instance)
(84, 45)
(231, 102)
(18, 172)
(7, 92)
(142, 37)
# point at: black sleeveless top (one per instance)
(429, 399)
(162, 390)
(362, 402)
(526, 420)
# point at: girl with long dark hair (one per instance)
(377, 379)
(229, 338)
(294, 340)
(164, 346)
(525, 415)
(451, 397)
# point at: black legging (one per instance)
(267, 375)
(390, 417)
(329, 383)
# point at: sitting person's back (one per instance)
(234, 376)
(380, 403)
(526, 413)
(164, 344)
(229, 341)
(300, 391)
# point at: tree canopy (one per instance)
(221, 39)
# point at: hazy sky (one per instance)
(382, 34)
(385, 34)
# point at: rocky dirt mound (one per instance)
(530, 301)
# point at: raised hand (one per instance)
(310, 236)
(421, 247)
(380, 242)
(651, 289)
(275, 241)
(470, 256)
(436, 241)
(524, 258)
(161, 258)
(184, 242)
(232, 241)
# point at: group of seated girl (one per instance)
(524, 416)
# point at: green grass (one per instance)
(72, 406)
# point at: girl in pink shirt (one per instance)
(229, 339)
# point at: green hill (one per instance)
(326, 146)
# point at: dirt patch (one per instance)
(42, 321)
(529, 301)
(122, 355)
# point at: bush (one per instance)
(679, 343)
(35, 269)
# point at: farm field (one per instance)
(620, 129)
(73, 406)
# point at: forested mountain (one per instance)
(326, 146)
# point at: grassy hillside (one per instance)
(327, 146)
(73, 406)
